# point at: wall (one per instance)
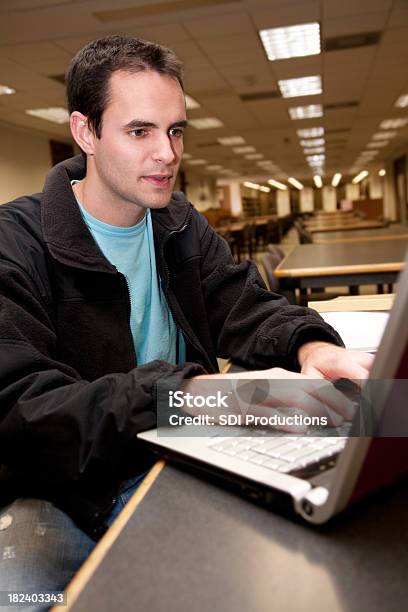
(24, 161)
(201, 190)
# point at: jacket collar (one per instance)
(67, 236)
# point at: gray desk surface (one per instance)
(343, 258)
(190, 545)
(399, 232)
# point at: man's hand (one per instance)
(289, 392)
(324, 360)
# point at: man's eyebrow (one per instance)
(139, 123)
(182, 123)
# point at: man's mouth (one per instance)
(159, 180)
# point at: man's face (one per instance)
(138, 155)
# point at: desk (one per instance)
(350, 264)
(334, 226)
(190, 545)
(397, 232)
(355, 303)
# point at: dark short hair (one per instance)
(89, 72)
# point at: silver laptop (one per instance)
(314, 476)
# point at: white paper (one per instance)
(360, 331)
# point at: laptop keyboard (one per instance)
(285, 454)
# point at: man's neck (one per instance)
(103, 207)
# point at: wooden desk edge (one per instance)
(88, 568)
(339, 270)
(355, 303)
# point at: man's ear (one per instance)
(82, 133)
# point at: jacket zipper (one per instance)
(167, 283)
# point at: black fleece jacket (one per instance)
(72, 397)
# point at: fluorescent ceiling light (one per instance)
(244, 149)
(312, 142)
(291, 41)
(256, 186)
(360, 177)
(306, 112)
(377, 143)
(187, 156)
(310, 132)
(402, 101)
(5, 90)
(368, 154)
(383, 135)
(197, 162)
(313, 150)
(382, 172)
(254, 156)
(336, 179)
(303, 86)
(316, 158)
(295, 182)
(206, 123)
(190, 102)
(54, 114)
(277, 184)
(230, 141)
(214, 167)
(318, 180)
(393, 124)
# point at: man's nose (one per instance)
(164, 151)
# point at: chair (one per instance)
(269, 262)
(305, 237)
(275, 250)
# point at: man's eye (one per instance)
(139, 132)
(177, 132)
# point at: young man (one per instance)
(109, 283)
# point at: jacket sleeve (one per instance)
(54, 426)
(249, 324)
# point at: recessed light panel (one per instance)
(190, 102)
(197, 162)
(310, 132)
(54, 114)
(393, 124)
(244, 149)
(5, 90)
(383, 135)
(230, 141)
(206, 123)
(306, 112)
(315, 158)
(313, 150)
(254, 156)
(312, 142)
(377, 143)
(292, 41)
(402, 101)
(304, 86)
(214, 167)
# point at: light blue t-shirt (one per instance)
(131, 251)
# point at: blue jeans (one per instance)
(41, 548)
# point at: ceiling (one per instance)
(224, 61)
